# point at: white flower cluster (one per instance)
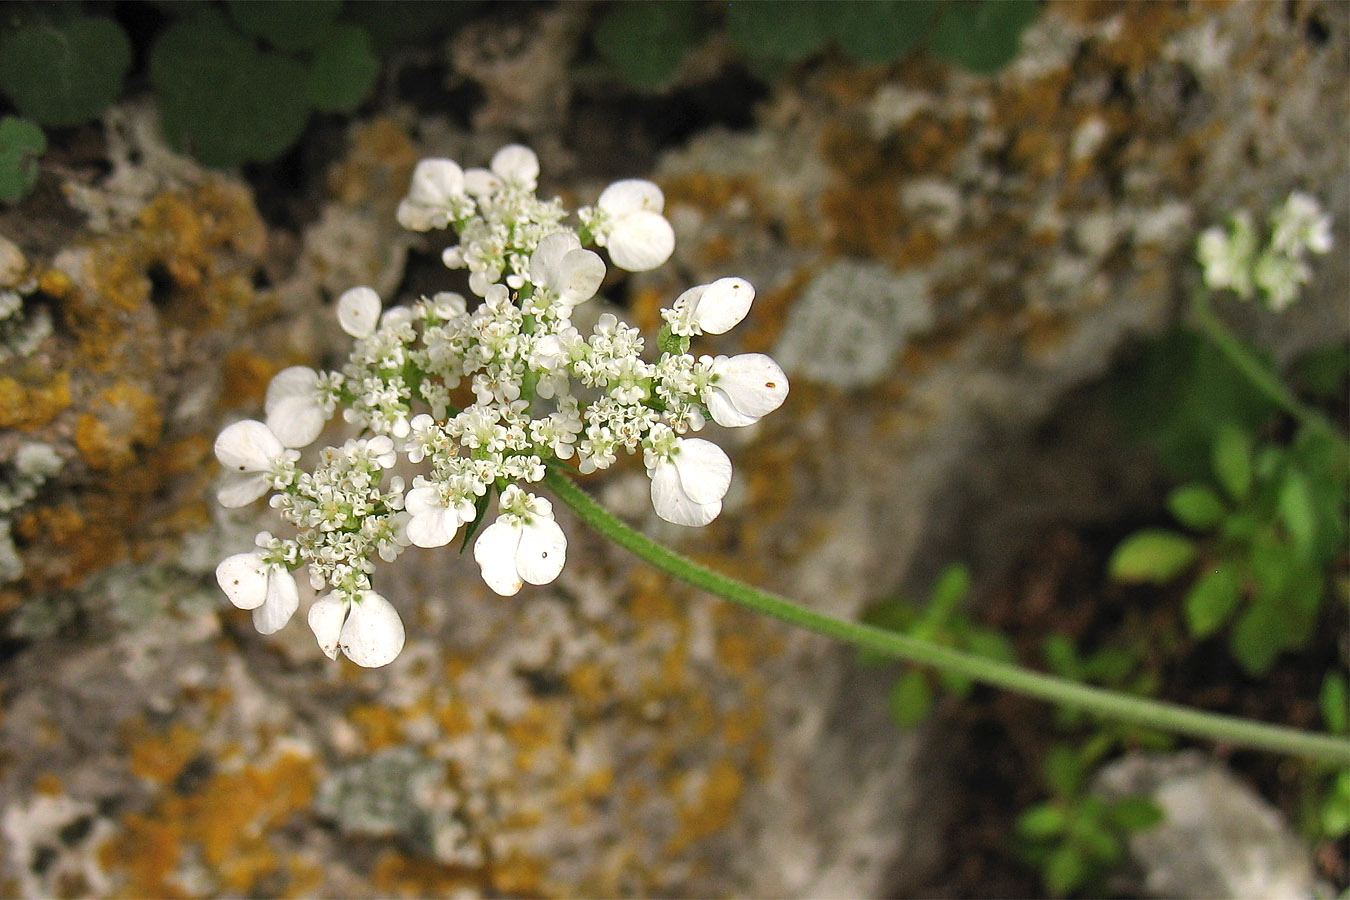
(1233, 259)
(482, 395)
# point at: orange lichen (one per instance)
(713, 808)
(125, 418)
(378, 167)
(30, 406)
(49, 784)
(160, 757)
(378, 725)
(399, 875)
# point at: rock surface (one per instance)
(992, 242)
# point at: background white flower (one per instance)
(248, 450)
(366, 628)
(689, 482)
(266, 588)
(524, 544)
(745, 388)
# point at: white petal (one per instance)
(240, 489)
(373, 634)
(247, 446)
(435, 181)
(283, 599)
(243, 578)
(722, 306)
(672, 503)
(495, 552)
(579, 276)
(749, 386)
(641, 241)
(542, 551)
(325, 620)
(296, 421)
(548, 255)
(433, 528)
(481, 182)
(516, 163)
(705, 471)
(630, 196)
(358, 311)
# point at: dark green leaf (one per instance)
(64, 74)
(480, 508)
(221, 98)
(1213, 599)
(880, 30)
(1334, 701)
(1257, 638)
(1064, 870)
(343, 70)
(288, 26)
(910, 698)
(1232, 461)
(21, 143)
(1196, 506)
(646, 41)
(982, 35)
(991, 645)
(1152, 555)
(779, 29)
(1324, 372)
(398, 23)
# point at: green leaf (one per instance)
(951, 588)
(1061, 655)
(984, 35)
(1063, 770)
(21, 143)
(782, 29)
(1323, 372)
(1334, 701)
(1231, 459)
(221, 98)
(1135, 813)
(646, 41)
(1196, 506)
(1044, 820)
(881, 30)
(343, 70)
(1257, 638)
(1064, 870)
(1296, 510)
(910, 698)
(1335, 812)
(288, 26)
(67, 73)
(1152, 555)
(399, 23)
(1213, 599)
(991, 645)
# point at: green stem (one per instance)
(1255, 371)
(1152, 713)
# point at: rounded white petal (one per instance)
(296, 421)
(435, 181)
(548, 255)
(243, 578)
(373, 633)
(495, 553)
(579, 276)
(723, 305)
(325, 620)
(434, 527)
(631, 195)
(247, 446)
(240, 489)
(749, 386)
(516, 163)
(542, 551)
(641, 241)
(705, 471)
(481, 182)
(672, 503)
(358, 311)
(283, 599)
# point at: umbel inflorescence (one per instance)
(480, 397)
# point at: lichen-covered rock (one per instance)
(616, 733)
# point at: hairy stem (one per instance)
(1110, 704)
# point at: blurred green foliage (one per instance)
(21, 143)
(646, 40)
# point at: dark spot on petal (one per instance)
(769, 384)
